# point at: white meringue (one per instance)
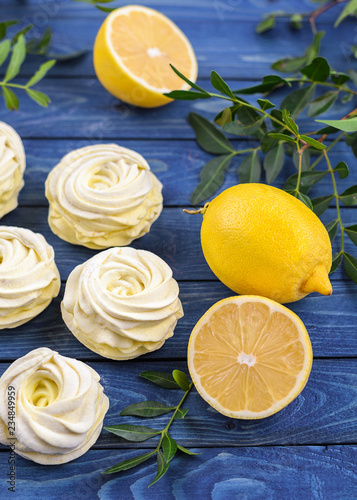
(29, 278)
(122, 303)
(12, 167)
(60, 407)
(102, 196)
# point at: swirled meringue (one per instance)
(29, 278)
(12, 167)
(60, 407)
(122, 303)
(102, 196)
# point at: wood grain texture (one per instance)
(297, 473)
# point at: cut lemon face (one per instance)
(249, 356)
(133, 52)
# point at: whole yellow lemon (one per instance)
(260, 240)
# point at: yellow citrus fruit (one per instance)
(249, 356)
(260, 240)
(133, 51)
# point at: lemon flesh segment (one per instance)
(133, 52)
(249, 357)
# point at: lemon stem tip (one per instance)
(318, 282)
(200, 210)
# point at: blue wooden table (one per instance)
(308, 450)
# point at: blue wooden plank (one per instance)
(297, 473)
(324, 413)
(167, 159)
(83, 109)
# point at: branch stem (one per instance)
(335, 192)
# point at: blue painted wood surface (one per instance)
(309, 449)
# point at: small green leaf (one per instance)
(225, 116)
(352, 233)
(281, 137)
(10, 98)
(267, 143)
(336, 261)
(186, 95)
(4, 26)
(169, 447)
(322, 103)
(250, 168)
(147, 409)
(5, 48)
(265, 104)
(23, 31)
(342, 169)
(289, 122)
(349, 125)
(273, 162)
(181, 414)
(219, 84)
(276, 114)
(296, 21)
(350, 265)
(135, 433)
(162, 379)
(17, 58)
(296, 101)
(181, 379)
(266, 24)
(129, 464)
(212, 177)
(313, 50)
(192, 84)
(305, 199)
(349, 197)
(321, 204)
(326, 131)
(208, 136)
(40, 46)
(307, 180)
(331, 228)
(39, 97)
(269, 83)
(162, 466)
(41, 72)
(339, 78)
(351, 140)
(349, 10)
(353, 75)
(236, 128)
(318, 70)
(186, 450)
(289, 64)
(312, 142)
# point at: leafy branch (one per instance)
(166, 447)
(99, 4)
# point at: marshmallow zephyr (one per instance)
(122, 303)
(102, 196)
(59, 404)
(12, 167)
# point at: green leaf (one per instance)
(312, 142)
(39, 97)
(349, 197)
(208, 136)
(321, 204)
(352, 233)
(162, 466)
(17, 58)
(318, 70)
(296, 101)
(307, 180)
(339, 78)
(305, 199)
(186, 450)
(146, 409)
(289, 122)
(281, 137)
(322, 103)
(350, 265)
(5, 48)
(10, 98)
(162, 379)
(250, 168)
(296, 21)
(336, 261)
(265, 104)
(292, 64)
(277, 114)
(351, 140)
(181, 379)
(313, 50)
(331, 228)
(192, 84)
(273, 162)
(267, 143)
(135, 433)
(186, 95)
(353, 75)
(327, 131)
(181, 414)
(212, 177)
(305, 159)
(41, 72)
(269, 83)
(169, 447)
(266, 24)
(23, 31)
(219, 84)
(349, 125)
(224, 116)
(42, 45)
(129, 464)
(236, 128)
(342, 169)
(4, 26)
(349, 10)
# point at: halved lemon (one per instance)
(249, 356)
(132, 54)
